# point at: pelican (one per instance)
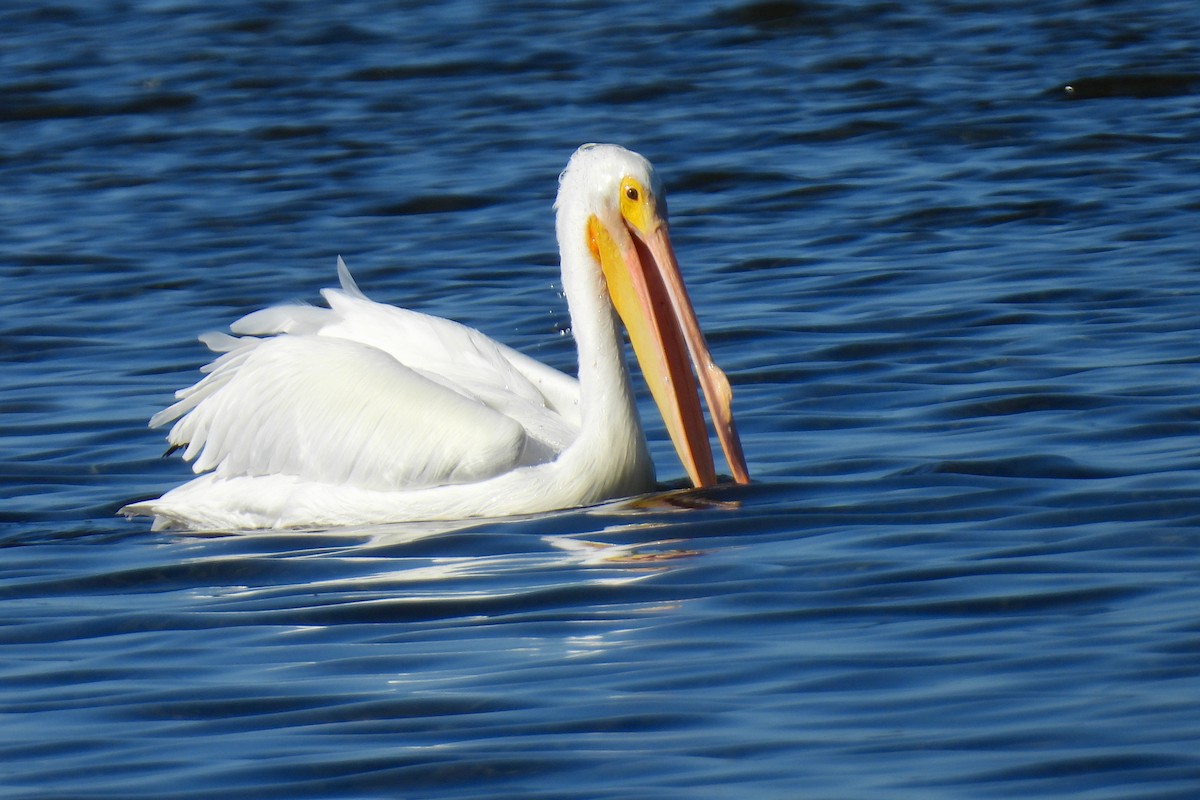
(364, 413)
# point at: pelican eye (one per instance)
(631, 192)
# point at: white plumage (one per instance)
(362, 412)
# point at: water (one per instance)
(958, 309)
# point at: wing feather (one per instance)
(368, 395)
(339, 412)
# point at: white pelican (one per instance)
(362, 412)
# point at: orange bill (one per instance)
(647, 291)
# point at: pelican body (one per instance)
(364, 413)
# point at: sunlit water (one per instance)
(960, 307)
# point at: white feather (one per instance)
(350, 396)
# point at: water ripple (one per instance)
(958, 314)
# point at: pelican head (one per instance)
(627, 237)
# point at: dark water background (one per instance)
(959, 309)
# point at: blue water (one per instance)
(960, 312)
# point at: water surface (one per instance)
(958, 306)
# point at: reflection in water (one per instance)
(594, 553)
(435, 561)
